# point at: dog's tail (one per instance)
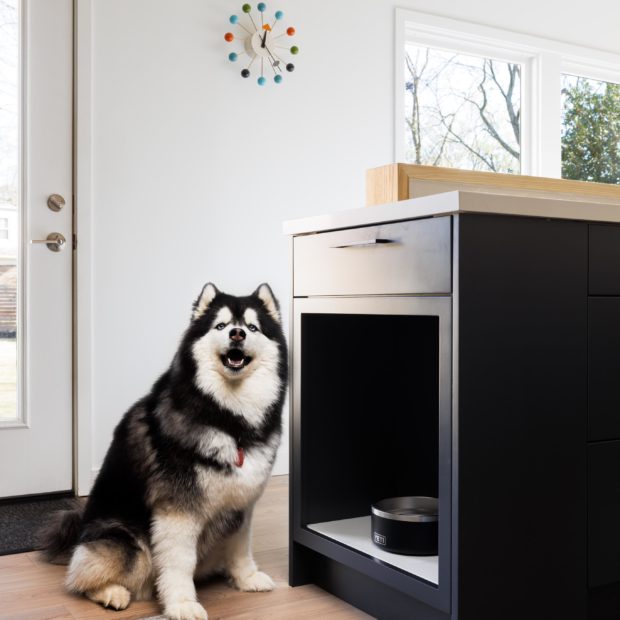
(59, 537)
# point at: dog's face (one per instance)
(235, 336)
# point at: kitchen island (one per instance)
(467, 346)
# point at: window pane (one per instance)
(462, 111)
(590, 130)
(9, 202)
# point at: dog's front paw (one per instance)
(256, 582)
(188, 610)
(113, 596)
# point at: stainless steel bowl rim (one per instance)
(385, 508)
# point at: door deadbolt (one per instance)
(55, 202)
(54, 242)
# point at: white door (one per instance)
(36, 59)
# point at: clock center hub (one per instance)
(260, 44)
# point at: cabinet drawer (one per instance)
(604, 263)
(603, 368)
(603, 513)
(390, 259)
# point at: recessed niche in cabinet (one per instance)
(370, 404)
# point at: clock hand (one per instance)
(264, 39)
(275, 63)
(273, 66)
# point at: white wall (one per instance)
(194, 168)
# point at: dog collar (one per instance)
(240, 457)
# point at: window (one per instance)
(590, 130)
(462, 111)
(4, 228)
(479, 98)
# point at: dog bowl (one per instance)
(406, 525)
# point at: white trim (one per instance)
(546, 120)
(497, 37)
(544, 60)
(399, 76)
(529, 68)
(22, 318)
(8, 423)
(93, 473)
(591, 70)
(83, 304)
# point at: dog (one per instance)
(173, 500)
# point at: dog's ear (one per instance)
(265, 294)
(202, 303)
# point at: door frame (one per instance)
(83, 319)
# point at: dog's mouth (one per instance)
(235, 359)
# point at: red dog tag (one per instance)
(240, 457)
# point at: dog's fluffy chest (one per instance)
(240, 488)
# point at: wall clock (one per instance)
(265, 49)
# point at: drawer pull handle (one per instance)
(352, 244)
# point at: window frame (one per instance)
(542, 61)
(4, 228)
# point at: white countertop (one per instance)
(455, 203)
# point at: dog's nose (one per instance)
(237, 335)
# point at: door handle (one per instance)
(54, 241)
(363, 242)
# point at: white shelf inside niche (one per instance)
(355, 533)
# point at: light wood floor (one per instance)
(33, 590)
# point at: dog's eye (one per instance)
(252, 327)
(220, 326)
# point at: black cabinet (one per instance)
(604, 259)
(604, 422)
(604, 514)
(521, 441)
(604, 368)
(522, 309)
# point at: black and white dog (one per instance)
(174, 497)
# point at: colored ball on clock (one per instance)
(294, 50)
(232, 57)
(246, 8)
(234, 19)
(290, 67)
(245, 73)
(229, 36)
(261, 81)
(261, 6)
(277, 78)
(279, 14)
(290, 31)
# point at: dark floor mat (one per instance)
(21, 519)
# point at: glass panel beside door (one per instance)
(10, 171)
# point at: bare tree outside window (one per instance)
(462, 111)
